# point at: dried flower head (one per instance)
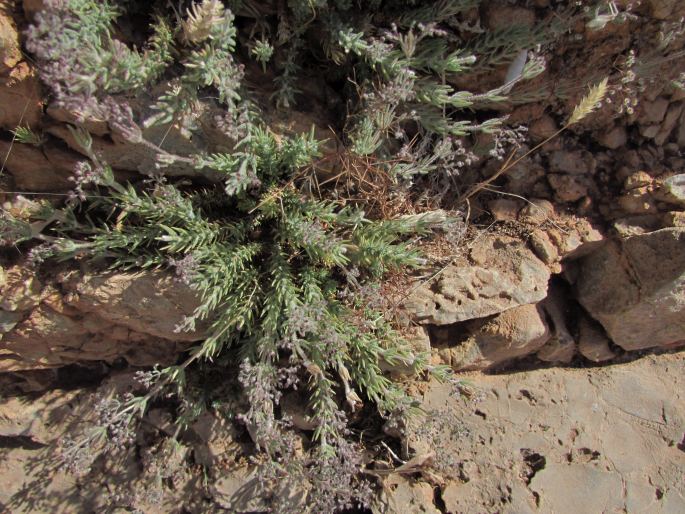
(590, 102)
(202, 17)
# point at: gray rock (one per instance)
(502, 273)
(673, 189)
(636, 288)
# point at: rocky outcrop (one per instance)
(635, 288)
(92, 317)
(553, 440)
(513, 333)
(499, 274)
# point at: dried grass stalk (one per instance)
(590, 103)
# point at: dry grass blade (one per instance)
(590, 102)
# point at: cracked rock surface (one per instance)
(607, 439)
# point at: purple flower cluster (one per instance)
(186, 269)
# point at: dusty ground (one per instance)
(559, 440)
(606, 439)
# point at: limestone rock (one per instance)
(514, 333)
(100, 318)
(139, 157)
(638, 201)
(586, 487)
(20, 290)
(584, 440)
(638, 224)
(151, 303)
(637, 180)
(502, 274)
(674, 219)
(635, 288)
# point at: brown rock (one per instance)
(593, 344)
(572, 163)
(31, 7)
(662, 9)
(504, 209)
(653, 112)
(505, 274)
(568, 188)
(635, 289)
(680, 134)
(537, 211)
(614, 138)
(542, 128)
(638, 201)
(39, 169)
(543, 247)
(669, 123)
(514, 333)
(649, 131)
(561, 346)
(151, 303)
(20, 98)
(502, 17)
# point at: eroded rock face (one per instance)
(636, 288)
(501, 273)
(513, 333)
(84, 317)
(558, 441)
